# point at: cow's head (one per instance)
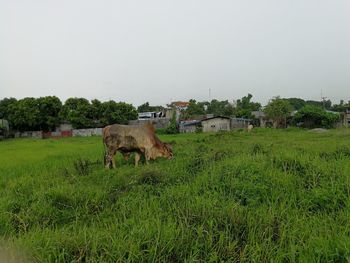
(168, 151)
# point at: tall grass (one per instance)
(264, 196)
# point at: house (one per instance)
(180, 105)
(346, 119)
(215, 124)
(263, 120)
(189, 126)
(150, 115)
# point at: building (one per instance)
(263, 120)
(180, 105)
(215, 124)
(190, 126)
(346, 119)
(150, 115)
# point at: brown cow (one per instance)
(133, 138)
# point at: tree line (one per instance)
(307, 112)
(46, 113)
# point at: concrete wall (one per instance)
(87, 132)
(159, 123)
(239, 123)
(29, 134)
(216, 124)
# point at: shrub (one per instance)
(313, 117)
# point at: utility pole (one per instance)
(323, 99)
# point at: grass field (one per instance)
(265, 196)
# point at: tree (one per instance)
(296, 103)
(49, 109)
(278, 110)
(312, 116)
(147, 108)
(120, 112)
(220, 108)
(96, 110)
(5, 107)
(78, 112)
(245, 106)
(327, 104)
(195, 108)
(24, 115)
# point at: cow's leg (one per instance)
(113, 159)
(137, 159)
(147, 156)
(108, 158)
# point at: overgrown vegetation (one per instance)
(264, 196)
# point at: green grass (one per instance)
(264, 196)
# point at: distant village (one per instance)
(79, 117)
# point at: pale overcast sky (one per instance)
(161, 50)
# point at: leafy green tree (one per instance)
(278, 110)
(96, 110)
(5, 107)
(195, 108)
(245, 107)
(147, 108)
(327, 104)
(220, 108)
(312, 116)
(49, 109)
(296, 103)
(24, 115)
(78, 112)
(113, 112)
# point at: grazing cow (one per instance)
(250, 128)
(133, 138)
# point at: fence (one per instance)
(87, 132)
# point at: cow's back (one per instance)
(130, 136)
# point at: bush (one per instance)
(315, 117)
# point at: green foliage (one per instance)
(313, 116)
(147, 108)
(77, 111)
(117, 112)
(327, 104)
(296, 103)
(220, 108)
(46, 113)
(49, 109)
(172, 128)
(245, 107)
(5, 106)
(25, 114)
(278, 109)
(195, 108)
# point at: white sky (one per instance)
(161, 50)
